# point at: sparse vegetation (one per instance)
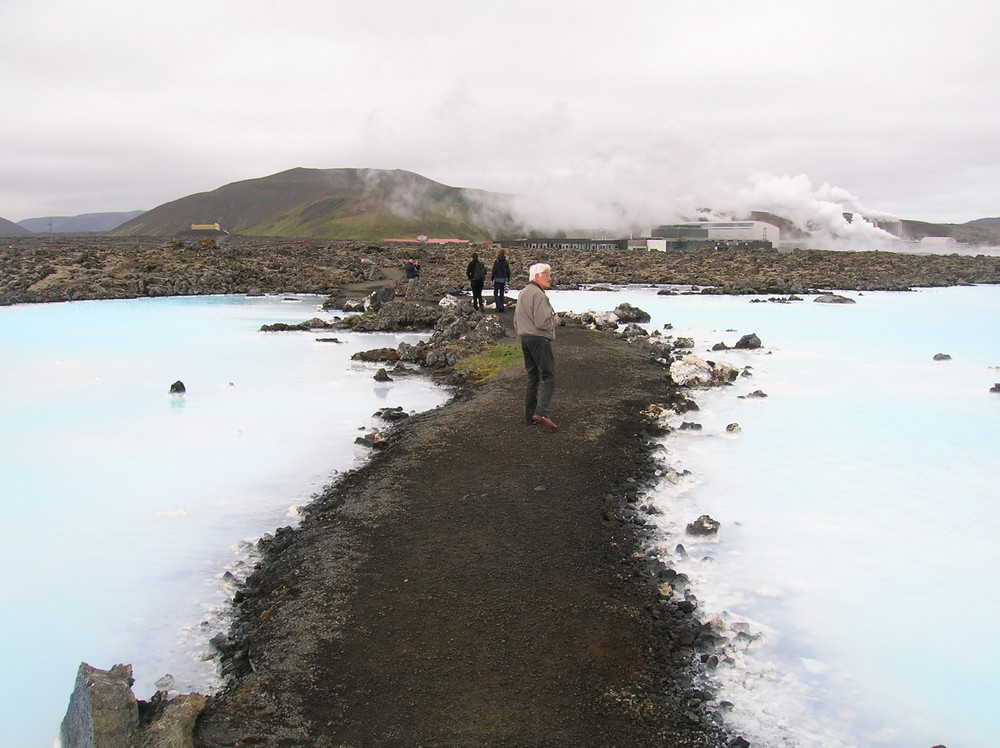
(483, 366)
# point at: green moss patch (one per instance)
(484, 365)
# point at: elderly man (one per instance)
(535, 323)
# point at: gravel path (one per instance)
(475, 584)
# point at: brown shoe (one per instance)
(545, 421)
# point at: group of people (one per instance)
(535, 322)
(499, 275)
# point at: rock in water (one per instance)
(104, 713)
(628, 313)
(178, 388)
(749, 342)
(692, 371)
(832, 298)
(102, 709)
(704, 525)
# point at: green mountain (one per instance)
(334, 204)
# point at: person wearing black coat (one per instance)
(500, 277)
(476, 273)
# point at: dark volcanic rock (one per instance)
(628, 313)
(749, 342)
(397, 316)
(704, 525)
(103, 711)
(33, 269)
(832, 298)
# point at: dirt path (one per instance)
(474, 585)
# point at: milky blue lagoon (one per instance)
(124, 505)
(857, 503)
(859, 510)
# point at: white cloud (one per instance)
(647, 110)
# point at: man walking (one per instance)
(535, 323)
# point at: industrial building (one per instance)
(725, 231)
(682, 237)
(565, 243)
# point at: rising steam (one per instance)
(827, 216)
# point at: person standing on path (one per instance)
(412, 270)
(370, 268)
(500, 277)
(535, 322)
(476, 273)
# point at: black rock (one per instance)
(704, 525)
(748, 342)
(628, 313)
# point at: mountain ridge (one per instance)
(83, 223)
(360, 204)
(376, 204)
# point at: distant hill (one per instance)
(984, 232)
(9, 228)
(334, 204)
(88, 222)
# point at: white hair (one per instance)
(537, 269)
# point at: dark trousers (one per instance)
(540, 365)
(498, 291)
(477, 293)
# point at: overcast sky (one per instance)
(643, 110)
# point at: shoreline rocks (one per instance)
(104, 713)
(99, 267)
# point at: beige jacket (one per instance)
(534, 314)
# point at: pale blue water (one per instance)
(859, 511)
(857, 504)
(123, 505)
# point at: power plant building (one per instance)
(683, 237)
(720, 231)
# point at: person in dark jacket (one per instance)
(412, 269)
(476, 273)
(500, 277)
